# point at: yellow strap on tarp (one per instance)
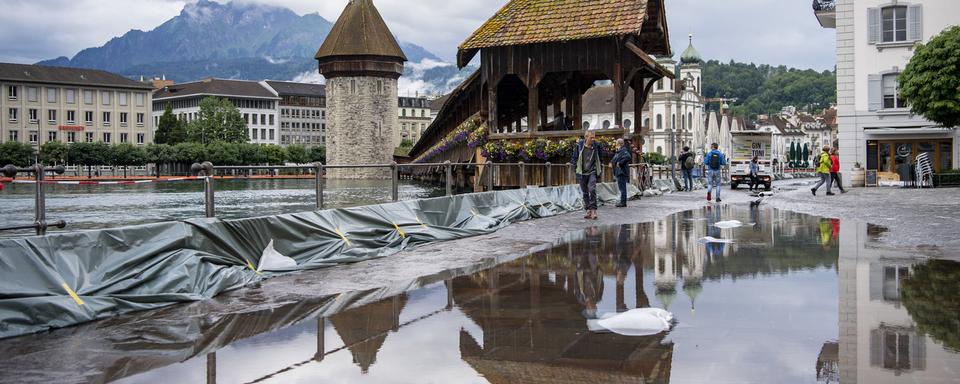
(72, 294)
(342, 236)
(250, 265)
(421, 222)
(474, 212)
(399, 231)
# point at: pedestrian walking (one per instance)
(835, 170)
(621, 170)
(714, 161)
(687, 163)
(823, 164)
(754, 172)
(586, 159)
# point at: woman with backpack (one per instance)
(687, 163)
(823, 164)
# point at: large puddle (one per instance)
(782, 298)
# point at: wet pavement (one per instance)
(786, 298)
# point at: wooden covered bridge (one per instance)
(524, 103)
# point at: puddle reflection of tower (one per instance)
(665, 277)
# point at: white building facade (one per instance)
(875, 41)
(40, 104)
(257, 102)
(303, 112)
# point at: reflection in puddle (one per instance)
(785, 298)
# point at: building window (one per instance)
(14, 136)
(52, 116)
(34, 136)
(71, 137)
(122, 98)
(271, 120)
(87, 96)
(71, 117)
(32, 94)
(586, 125)
(123, 137)
(88, 117)
(70, 95)
(627, 123)
(88, 137)
(606, 124)
(106, 118)
(32, 115)
(140, 118)
(141, 99)
(891, 92)
(271, 134)
(51, 95)
(13, 114)
(106, 137)
(263, 133)
(123, 118)
(353, 87)
(105, 97)
(894, 24)
(660, 150)
(659, 122)
(12, 92)
(246, 118)
(660, 84)
(51, 136)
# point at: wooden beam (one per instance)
(493, 119)
(533, 106)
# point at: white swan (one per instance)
(635, 322)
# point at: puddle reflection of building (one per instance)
(879, 341)
(533, 316)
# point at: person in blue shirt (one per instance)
(586, 159)
(714, 162)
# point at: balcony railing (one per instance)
(826, 12)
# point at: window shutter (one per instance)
(874, 92)
(873, 25)
(915, 23)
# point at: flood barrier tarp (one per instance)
(64, 279)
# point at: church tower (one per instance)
(361, 62)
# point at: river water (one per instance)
(784, 298)
(105, 206)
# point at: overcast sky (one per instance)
(761, 31)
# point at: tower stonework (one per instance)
(361, 62)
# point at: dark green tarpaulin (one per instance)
(68, 278)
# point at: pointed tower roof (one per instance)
(359, 43)
(691, 55)
(360, 31)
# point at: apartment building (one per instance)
(303, 112)
(257, 102)
(415, 116)
(40, 104)
(875, 41)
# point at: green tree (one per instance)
(250, 154)
(54, 152)
(931, 81)
(189, 153)
(298, 154)
(127, 155)
(170, 130)
(160, 154)
(19, 154)
(220, 153)
(318, 154)
(930, 296)
(273, 154)
(218, 120)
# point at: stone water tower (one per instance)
(361, 62)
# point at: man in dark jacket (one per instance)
(686, 169)
(586, 159)
(621, 170)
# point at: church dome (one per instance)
(690, 55)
